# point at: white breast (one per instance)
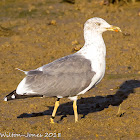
(97, 57)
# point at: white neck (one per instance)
(94, 50)
(94, 46)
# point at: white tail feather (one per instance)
(5, 99)
(22, 70)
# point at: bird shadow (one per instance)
(91, 104)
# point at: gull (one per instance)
(70, 75)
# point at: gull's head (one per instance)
(99, 25)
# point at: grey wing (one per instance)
(64, 77)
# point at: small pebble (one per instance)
(53, 22)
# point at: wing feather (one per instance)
(64, 77)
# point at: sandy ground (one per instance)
(36, 32)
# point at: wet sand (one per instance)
(34, 33)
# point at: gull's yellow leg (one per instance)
(54, 110)
(75, 110)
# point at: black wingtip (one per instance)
(13, 95)
(10, 96)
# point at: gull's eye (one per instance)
(97, 23)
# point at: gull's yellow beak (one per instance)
(114, 28)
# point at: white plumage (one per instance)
(71, 75)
